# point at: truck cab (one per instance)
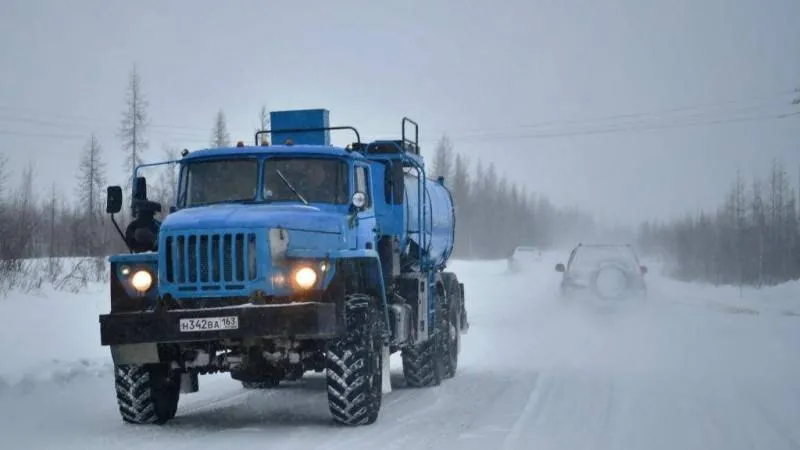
(292, 203)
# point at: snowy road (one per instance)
(692, 369)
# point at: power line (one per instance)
(783, 94)
(505, 136)
(15, 112)
(468, 135)
(673, 122)
(193, 130)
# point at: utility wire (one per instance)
(201, 135)
(713, 106)
(671, 122)
(194, 130)
(522, 137)
(500, 135)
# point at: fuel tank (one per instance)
(438, 227)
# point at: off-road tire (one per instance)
(423, 364)
(147, 394)
(353, 371)
(450, 322)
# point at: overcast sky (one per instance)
(586, 102)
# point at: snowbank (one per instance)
(50, 335)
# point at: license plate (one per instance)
(209, 324)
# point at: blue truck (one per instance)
(284, 257)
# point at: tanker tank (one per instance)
(439, 226)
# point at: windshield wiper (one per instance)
(278, 171)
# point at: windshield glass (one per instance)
(317, 180)
(589, 258)
(220, 181)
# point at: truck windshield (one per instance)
(218, 181)
(317, 180)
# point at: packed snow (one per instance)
(693, 367)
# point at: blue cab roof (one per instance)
(258, 150)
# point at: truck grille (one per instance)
(210, 259)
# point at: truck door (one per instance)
(365, 218)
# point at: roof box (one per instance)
(300, 119)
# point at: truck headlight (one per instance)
(142, 280)
(305, 277)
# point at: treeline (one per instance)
(494, 215)
(753, 238)
(37, 229)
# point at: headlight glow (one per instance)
(142, 280)
(305, 277)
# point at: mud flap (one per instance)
(386, 380)
(189, 383)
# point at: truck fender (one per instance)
(365, 267)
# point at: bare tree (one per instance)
(5, 225)
(443, 159)
(91, 177)
(459, 186)
(758, 223)
(220, 136)
(263, 119)
(53, 264)
(134, 125)
(22, 223)
(166, 186)
(3, 174)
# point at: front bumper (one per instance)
(308, 320)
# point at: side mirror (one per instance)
(140, 189)
(560, 268)
(113, 199)
(358, 200)
(643, 269)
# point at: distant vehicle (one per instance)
(522, 255)
(608, 272)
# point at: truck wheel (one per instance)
(147, 394)
(451, 328)
(423, 364)
(354, 366)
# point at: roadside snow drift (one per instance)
(693, 367)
